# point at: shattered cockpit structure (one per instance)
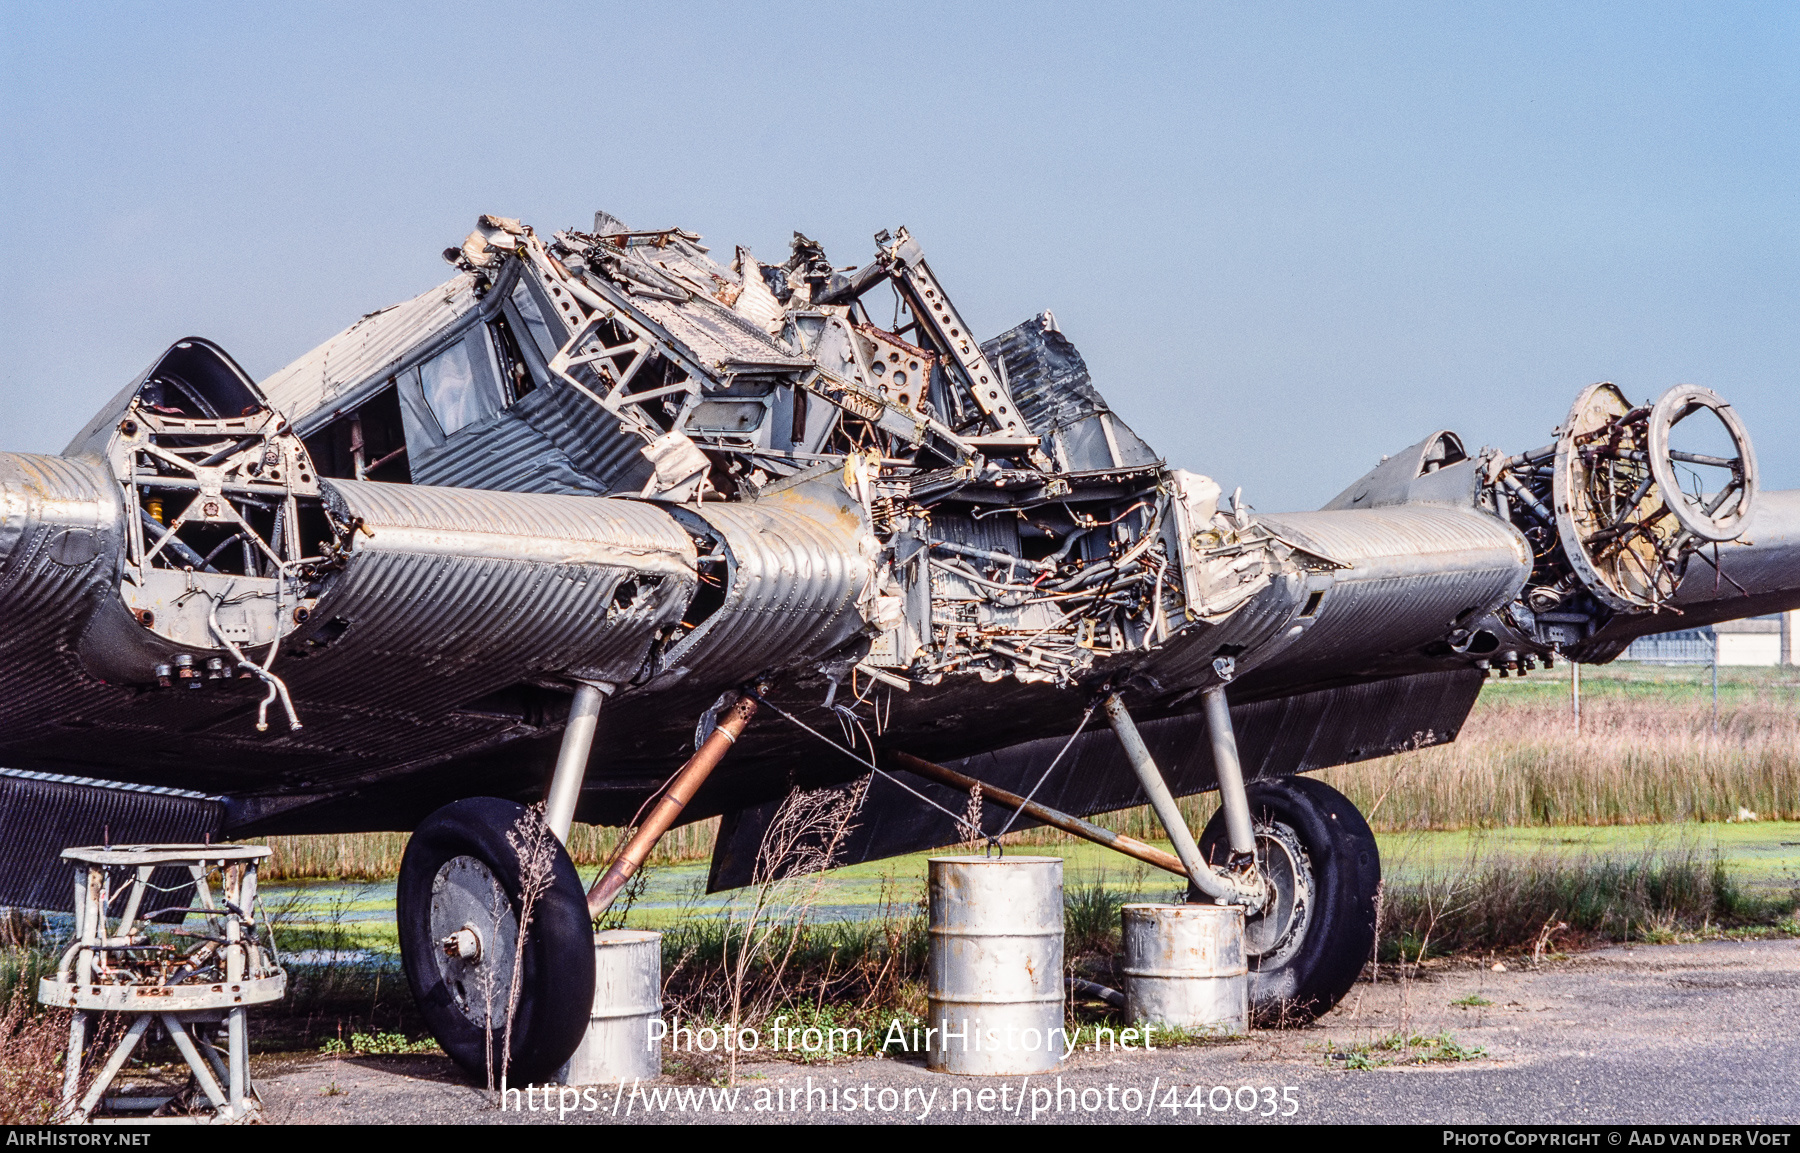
(1015, 524)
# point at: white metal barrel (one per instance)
(995, 985)
(627, 998)
(1184, 967)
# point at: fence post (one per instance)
(1715, 682)
(1575, 692)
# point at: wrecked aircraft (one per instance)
(510, 540)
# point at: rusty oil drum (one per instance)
(995, 984)
(1184, 967)
(627, 998)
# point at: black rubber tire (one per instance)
(1346, 870)
(556, 993)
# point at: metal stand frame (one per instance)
(119, 968)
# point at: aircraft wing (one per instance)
(373, 583)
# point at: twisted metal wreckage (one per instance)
(518, 533)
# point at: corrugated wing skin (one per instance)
(797, 571)
(1294, 734)
(48, 505)
(39, 818)
(451, 594)
(1412, 573)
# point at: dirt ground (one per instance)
(1646, 1034)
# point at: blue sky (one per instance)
(1288, 238)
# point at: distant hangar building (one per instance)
(1764, 640)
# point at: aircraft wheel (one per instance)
(1307, 946)
(458, 905)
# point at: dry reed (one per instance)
(1636, 762)
(534, 846)
(1642, 759)
(376, 856)
(33, 1041)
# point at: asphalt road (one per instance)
(1702, 1033)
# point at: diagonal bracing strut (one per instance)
(675, 797)
(1025, 806)
(1234, 888)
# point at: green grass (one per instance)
(21, 969)
(1758, 856)
(1546, 900)
(1761, 855)
(1401, 1049)
(674, 893)
(1091, 910)
(378, 1045)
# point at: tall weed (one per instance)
(1637, 760)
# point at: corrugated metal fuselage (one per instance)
(435, 663)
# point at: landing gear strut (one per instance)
(460, 901)
(1239, 884)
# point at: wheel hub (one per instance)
(463, 945)
(1275, 931)
(477, 931)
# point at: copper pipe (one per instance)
(1130, 846)
(675, 798)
